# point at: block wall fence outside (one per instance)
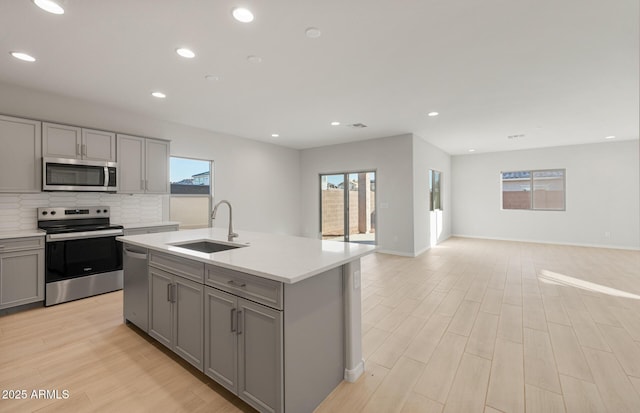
(18, 211)
(333, 211)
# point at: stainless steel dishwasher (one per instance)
(136, 286)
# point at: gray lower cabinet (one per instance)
(243, 348)
(176, 314)
(21, 271)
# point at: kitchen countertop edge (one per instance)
(22, 234)
(258, 257)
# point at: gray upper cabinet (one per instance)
(157, 166)
(143, 165)
(21, 154)
(64, 141)
(21, 271)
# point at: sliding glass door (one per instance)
(347, 207)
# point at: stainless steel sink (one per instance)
(207, 246)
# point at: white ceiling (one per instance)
(560, 72)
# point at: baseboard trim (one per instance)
(571, 244)
(400, 253)
(351, 375)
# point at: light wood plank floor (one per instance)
(469, 326)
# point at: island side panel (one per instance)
(314, 339)
(354, 363)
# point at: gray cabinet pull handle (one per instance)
(84, 149)
(235, 284)
(174, 293)
(169, 292)
(240, 324)
(233, 320)
(78, 149)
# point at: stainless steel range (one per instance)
(82, 255)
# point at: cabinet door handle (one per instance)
(174, 293)
(235, 284)
(84, 149)
(239, 322)
(78, 149)
(233, 320)
(169, 292)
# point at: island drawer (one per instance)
(190, 269)
(257, 289)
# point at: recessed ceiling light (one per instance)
(432, 114)
(313, 32)
(186, 53)
(50, 6)
(472, 150)
(242, 15)
(275, 135)
(158, 95)
(254, 59)
(23, 56)
(610, 137)
(212, 78)
(335, 123)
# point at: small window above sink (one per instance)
(207, 247)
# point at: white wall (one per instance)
(430, 227)
(391, 158)
(602, 196)
(259, 179)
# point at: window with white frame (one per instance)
(191, 192)
(535, 190)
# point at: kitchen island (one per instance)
(275, 319)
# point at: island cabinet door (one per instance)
(260, 356)
(161, 306)
(187, 323)
(221, 338)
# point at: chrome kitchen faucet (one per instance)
(232, 234)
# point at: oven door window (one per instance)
(75, 258)
(74, 175)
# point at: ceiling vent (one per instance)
(357, 125)
(520, 136)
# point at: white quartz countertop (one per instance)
(147, 224)
(22, 234)
(281, 258)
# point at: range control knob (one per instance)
(104, 210)
(53, 212)
(44, 212)
(97, 211)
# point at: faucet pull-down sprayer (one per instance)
(232, 234)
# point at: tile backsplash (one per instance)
(18, 211)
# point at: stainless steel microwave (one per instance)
(60, 174)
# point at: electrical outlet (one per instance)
(607, 235)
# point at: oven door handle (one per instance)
(84, 234)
